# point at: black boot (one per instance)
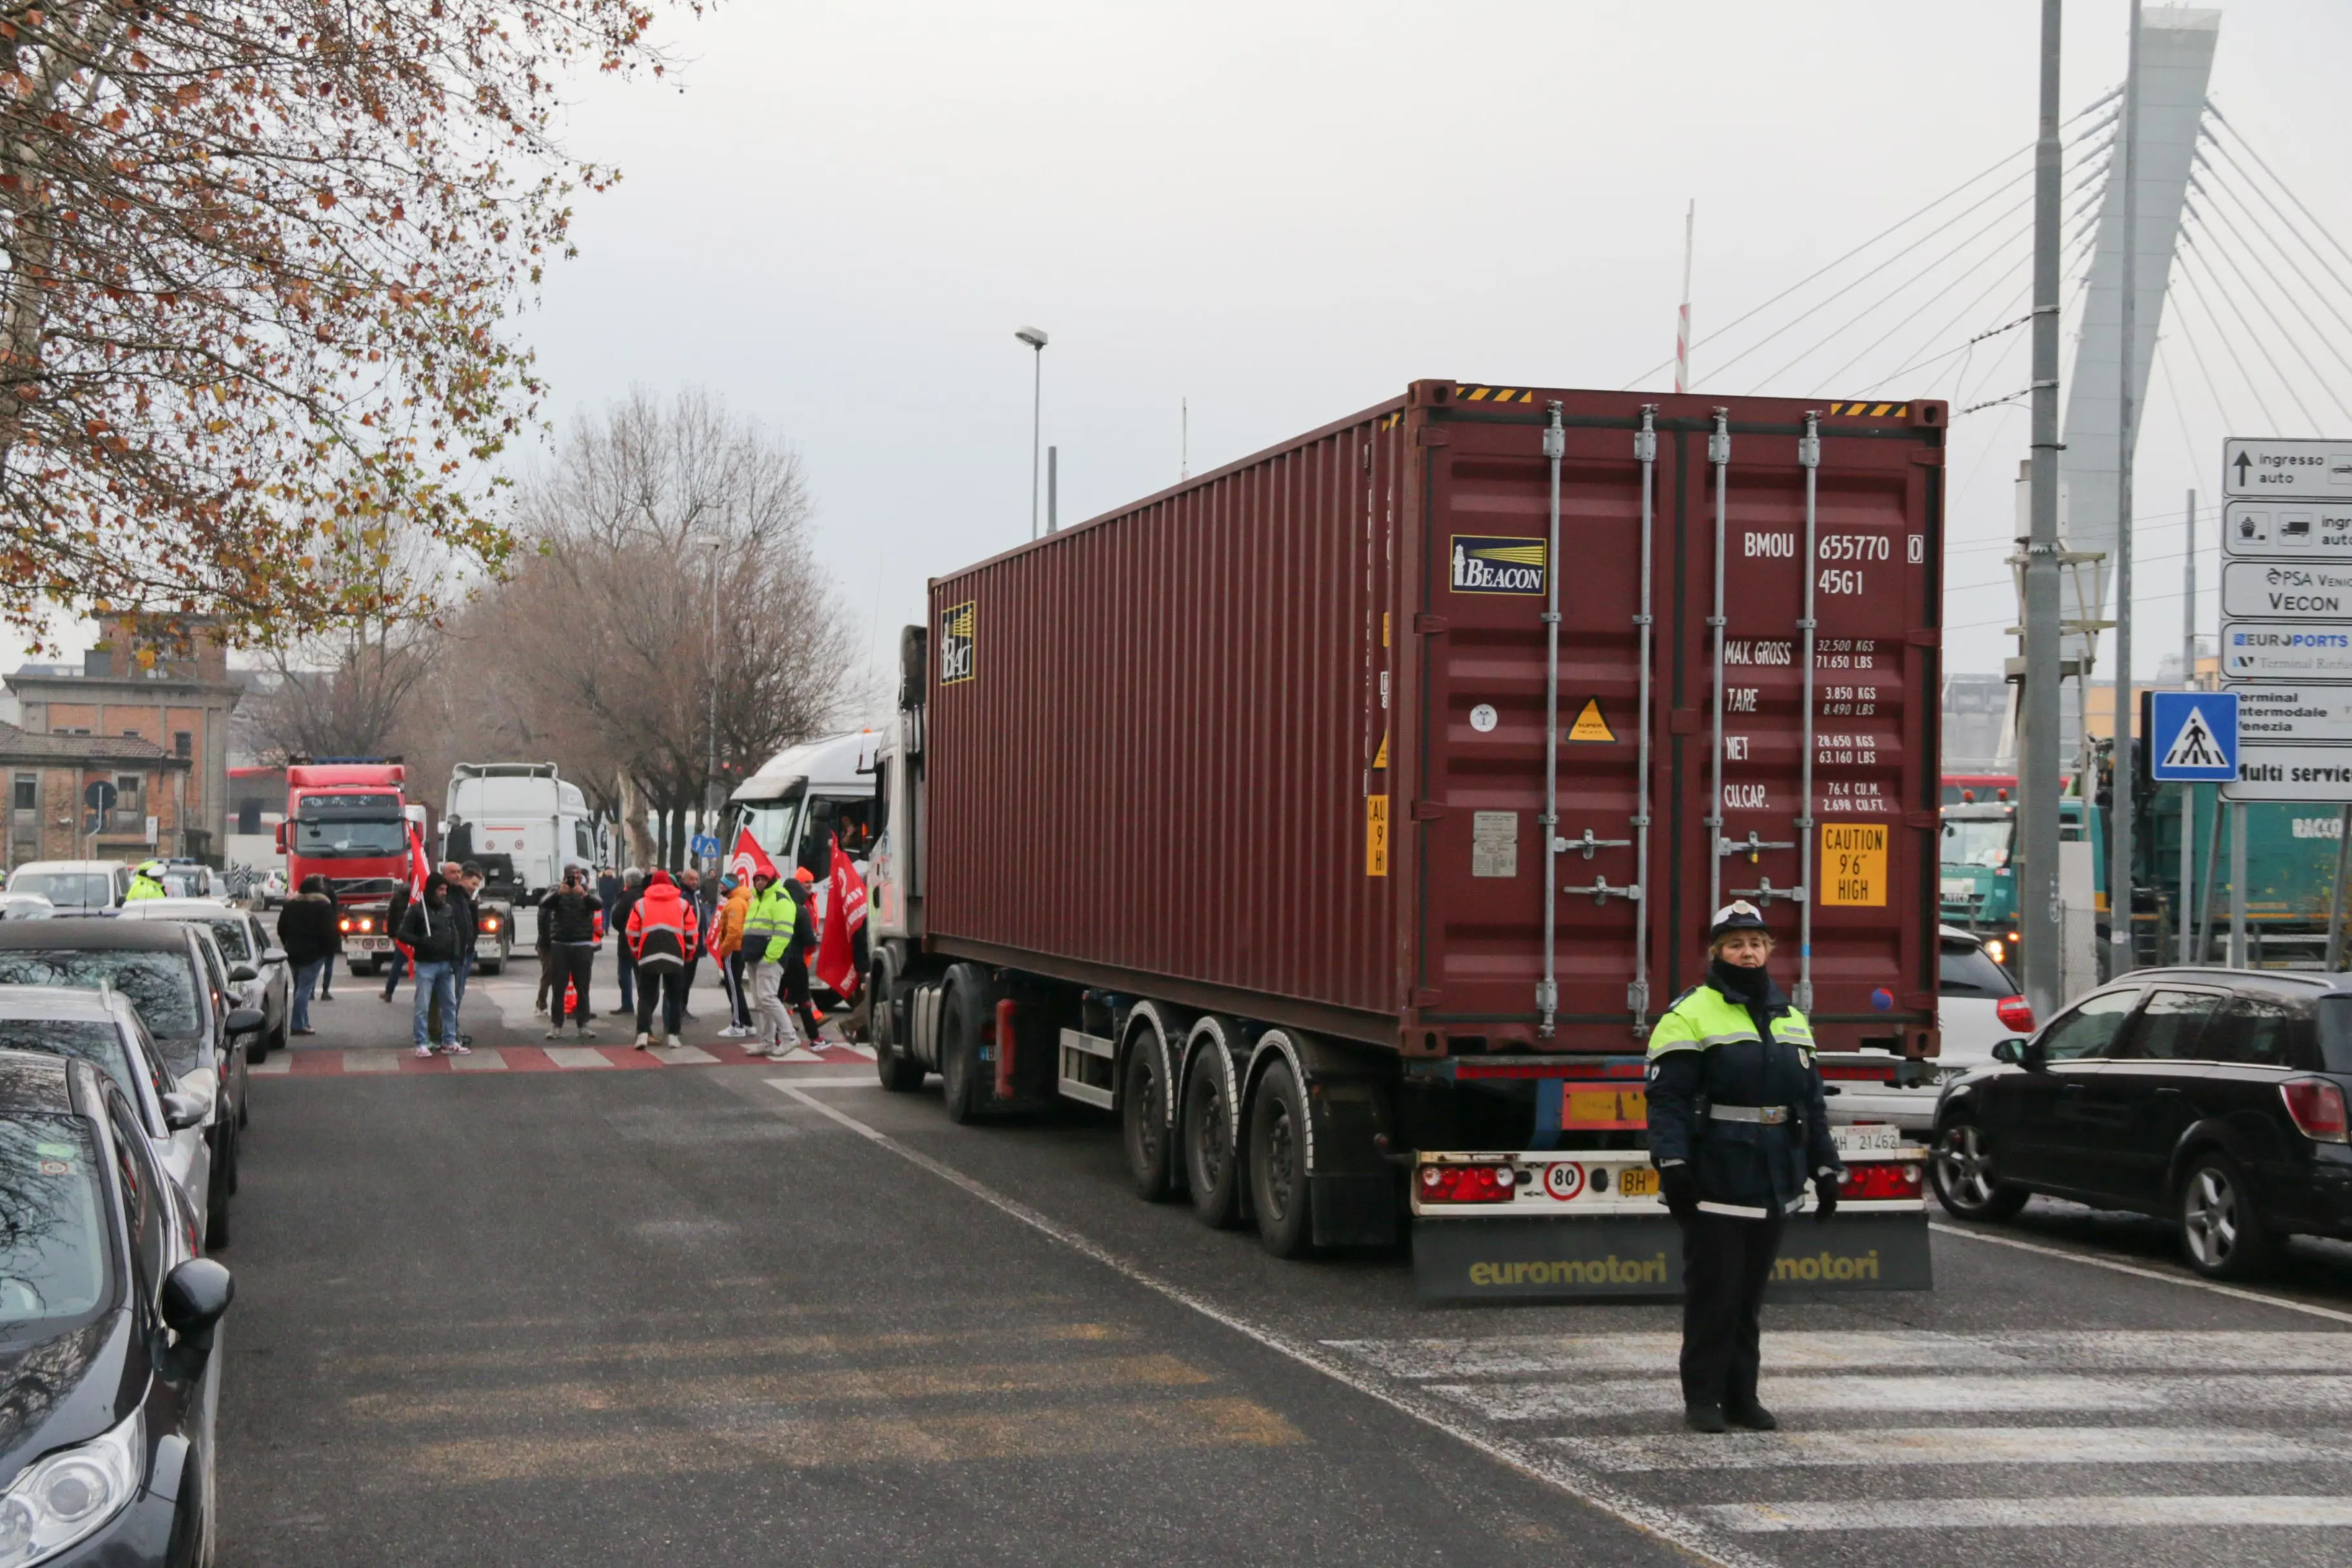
(1752, 1415)
(1704, 1417)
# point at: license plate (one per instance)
(1958, 890)
(1637, 1181)
(1867, 1135)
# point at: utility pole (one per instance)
(1035, 338)
(1184, 438)
(2188, 680)
(1053, 489)
(2038, 786)
(2119, 854)
(1682, 319)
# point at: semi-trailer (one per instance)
(1341, 820)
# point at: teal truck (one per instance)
(2291, 852)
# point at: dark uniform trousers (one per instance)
(1726, 1263)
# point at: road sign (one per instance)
(2288, 590)
(99, 795)
(2293, 773)
(2291, 470)
(703, 844)
(2318, 713)
(2273, 651)
(2194, 735)
(2263, 529)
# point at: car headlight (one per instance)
(65, 1496)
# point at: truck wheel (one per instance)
(1211, 1169)
(1277, 1163)
(900, 1073)
(2220, 1229)
(963, 1011)
(1144, 1121)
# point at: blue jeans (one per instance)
(306, 980)
(437, 980)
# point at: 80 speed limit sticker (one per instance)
(1564, 1181)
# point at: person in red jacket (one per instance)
(662, 934)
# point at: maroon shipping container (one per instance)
(1273, 743)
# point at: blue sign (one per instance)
(706, 846)
(2195, 736)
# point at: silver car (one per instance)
(259, 975)
(103, 1028)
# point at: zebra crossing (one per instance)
(2090, 1435)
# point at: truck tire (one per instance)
(1277, 1163)
(900, 1073)
(964, 1010)
(1143, 1119)
(1212, 1163)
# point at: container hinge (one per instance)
(1765, 892)
(1547, 996)
(1800, 997)
(1603, 892)
(1751, 847)
(1589, 845)
(1637, 999)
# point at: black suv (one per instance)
(2211, 1097)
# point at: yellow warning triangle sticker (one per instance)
(1589, 725)
(1381, 760)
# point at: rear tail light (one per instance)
(1880, 1181)
(1996, 950)
(345, 922)
(2318, 1108)
(1466, 1183)
(2015, 1013)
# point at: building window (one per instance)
(27, 792)
(183, 743)
(248, 817)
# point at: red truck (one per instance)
(1341, 820)
(349, 822)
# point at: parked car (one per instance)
(172, 973)
(25, 907)
(191, 879)
(259, 975)
(1977, 1008)
(102, 1028)
(73, 887)
(270, 889)
(2214, 1098)
(107, 1333)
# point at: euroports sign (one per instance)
(1497, 563)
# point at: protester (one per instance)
(396, 961)
(660, 934)
(546, 956)
(608, 888)
(689, 887)
(727, 951)
(306, 929)
(430, 929)
(803, 889)
(568, 918)
(767, 937)
(465, 885)
(616, 918)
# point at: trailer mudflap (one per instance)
(1633, 1257)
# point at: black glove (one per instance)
(1825, 1193)
(1679, 1187)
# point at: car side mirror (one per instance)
(245, 1021)
(2010, 1051)
(273, 955)
(239, 973)
(182, 1112)
(195, 1296)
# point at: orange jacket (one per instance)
(661, 930)
(728, 938)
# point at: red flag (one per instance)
(837, 957)
(748, 860)
(415, 881)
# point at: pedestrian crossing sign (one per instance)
(2193, 736)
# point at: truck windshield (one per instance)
(1977, 841)
(323, 837)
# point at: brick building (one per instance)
(167, 726)
(47, 816)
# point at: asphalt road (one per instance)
(546, 1311)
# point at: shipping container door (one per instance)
(1485, 576)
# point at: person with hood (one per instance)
(727, 949)
(146, 883)
(632, 883)
(306, 929)
(1737, 1126)
(660, 937)
(568, 920)
(768, 927)
(430, 929)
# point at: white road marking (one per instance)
(867, 1082)
(374, 1060)
(797, 1054)
(577, 1056)
(1875, 1446)
(2091, 1350)
(2285, 1304)
(280, 1062)
(2034, 1513)
(682, 1056)
(485, 1058)
(1537, 1460)
(1628, 1396)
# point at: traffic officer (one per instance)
(1737, 1121)
(146, 883)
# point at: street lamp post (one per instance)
(1035, 338)
(711, 541)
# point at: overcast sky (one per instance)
(1283, 212)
